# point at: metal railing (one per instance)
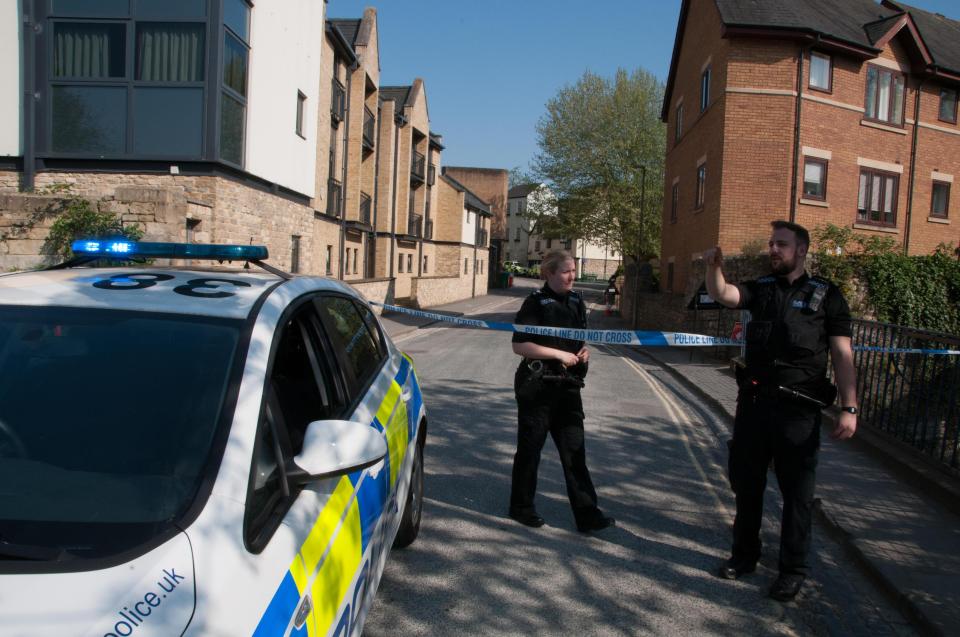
(334, 198)
(365, 205)
(369, 124)
(415, 226)
(338, 101)
(428, 229)
(418, 165)
(482, 236)
(910, 396)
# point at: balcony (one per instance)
(369, 127)
(428, 229)
(338, 102)
(482, 237)
(365, 206)
(415, 226)
(418, 167)
(334, 198)
(431, 175)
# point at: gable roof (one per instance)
(469, 199)
(399, 94)
(349, 29)
(522, 190)
(857, 27)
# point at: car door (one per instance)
(303, 385)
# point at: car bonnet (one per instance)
(152, 595)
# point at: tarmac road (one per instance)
(656, 456)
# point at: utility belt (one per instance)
(534, 375)
(821, 396)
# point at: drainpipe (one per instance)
(398, 122)
(796, 130)
(476, 238)
(343, 181)
(30, 29)
(376, 188)
(913, 169)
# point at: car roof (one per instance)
(180, 294)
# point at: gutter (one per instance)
(343, 171)
(796, 129)
(376, 188)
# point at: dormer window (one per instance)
(885, 94)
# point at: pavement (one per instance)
(896, 515)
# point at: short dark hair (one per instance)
(803, 237)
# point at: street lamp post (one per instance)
(636, 278)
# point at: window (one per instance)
(346, 264)
(294, 254)
(466, 268)
(410, 262)
(705, 89)
(884, 101)
(329, 269)
(536, 245)
(89, 50)
(549, 243)
(233, 99)
(424, 264)
(821, 72)
(301, 107)
(940, 201)
(481, 266)
(674, 202)
(353, 342)
(948, 105)
(701, 185)
(678, 125)
(517, 235)
(300, 390)
(400, 263)
(815, 178)
(356, 259)
(877, 199)
(191, 230)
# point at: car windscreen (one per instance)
(107, 420)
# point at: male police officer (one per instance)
(796, 319)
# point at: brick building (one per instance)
(224, 121)
(818, 111)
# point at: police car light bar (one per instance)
(122, 249)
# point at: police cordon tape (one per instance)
(639, 338)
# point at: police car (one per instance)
(189, 450)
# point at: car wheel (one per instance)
(413, 508)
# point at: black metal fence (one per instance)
(912, 396)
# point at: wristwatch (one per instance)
(850, 410)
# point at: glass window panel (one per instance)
(883, 99)
(236, 15)
(875, 188)
(888, 192)
(89, 119)
(813, 179)
(235, 64)
(862, 199)
(897, 115)
(871, 106)
(171, 9)
(231, 130)
(168, 121)
(170, 52)
(948, 105)
(820, 71)
(88, 9)
(941, 193)
(88, 50)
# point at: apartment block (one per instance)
(223, 121)
(838, 112)
(490, 185)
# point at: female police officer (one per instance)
(547, 386)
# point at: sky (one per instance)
(490, 66)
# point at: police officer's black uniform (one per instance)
(552, 406)
(787, 342)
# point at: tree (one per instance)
(596, 141)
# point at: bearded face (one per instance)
(785, 254)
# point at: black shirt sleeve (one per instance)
(529, 314)
(838, 321)
(748, 294)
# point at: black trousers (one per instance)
(789, 434)
(559, 412)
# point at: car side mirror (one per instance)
(335, 448)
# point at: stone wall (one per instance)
(379, 290)
(430, 291)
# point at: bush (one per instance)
(78, 219)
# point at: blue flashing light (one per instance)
(122, 249)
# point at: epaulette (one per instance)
(767, 279)
(819, 281)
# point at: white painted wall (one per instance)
(468, 229)
(11, 56)
(285, 40)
